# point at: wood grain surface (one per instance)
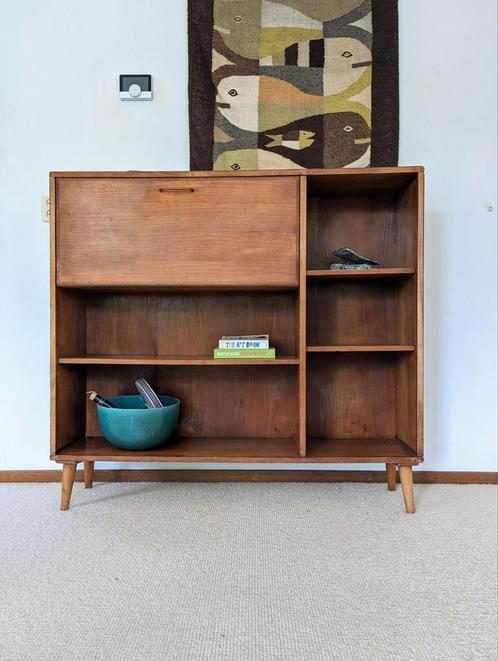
(219, 401)
(369, 224)
(187, 324)
(351, 395)
(247, 450)
(149, 231)
(359, 312)
(150, 269)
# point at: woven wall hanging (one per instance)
(293, 84)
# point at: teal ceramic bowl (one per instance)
(131, 426)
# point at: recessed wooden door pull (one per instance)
(177, 190)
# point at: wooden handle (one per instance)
(176, 190)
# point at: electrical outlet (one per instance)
(45, 209)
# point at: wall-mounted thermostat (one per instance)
(135, 87)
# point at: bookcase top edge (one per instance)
(241, 173)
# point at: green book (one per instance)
(261, 354)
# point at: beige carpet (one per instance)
(251, 572)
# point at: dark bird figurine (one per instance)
(352, 259)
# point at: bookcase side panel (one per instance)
(420, 311)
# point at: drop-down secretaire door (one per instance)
(138, 231)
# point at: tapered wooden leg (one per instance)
(391, 476)
(88, 471)
(406, 479)
(68, 473)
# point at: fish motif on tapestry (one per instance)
(293, 83)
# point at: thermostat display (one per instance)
(135, 87)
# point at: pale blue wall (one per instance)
(59, 110)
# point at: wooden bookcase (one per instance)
(149, 269)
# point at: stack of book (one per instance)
(255, 347)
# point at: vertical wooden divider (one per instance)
(302, 315)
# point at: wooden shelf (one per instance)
(205, 288)
(325, 274)
(96, 448)
(346, 348)
(172, 360)
(359, 450)
(241, 450)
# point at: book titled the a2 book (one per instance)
(244, 342)
(262, 354)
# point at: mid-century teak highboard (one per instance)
(149, 269)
